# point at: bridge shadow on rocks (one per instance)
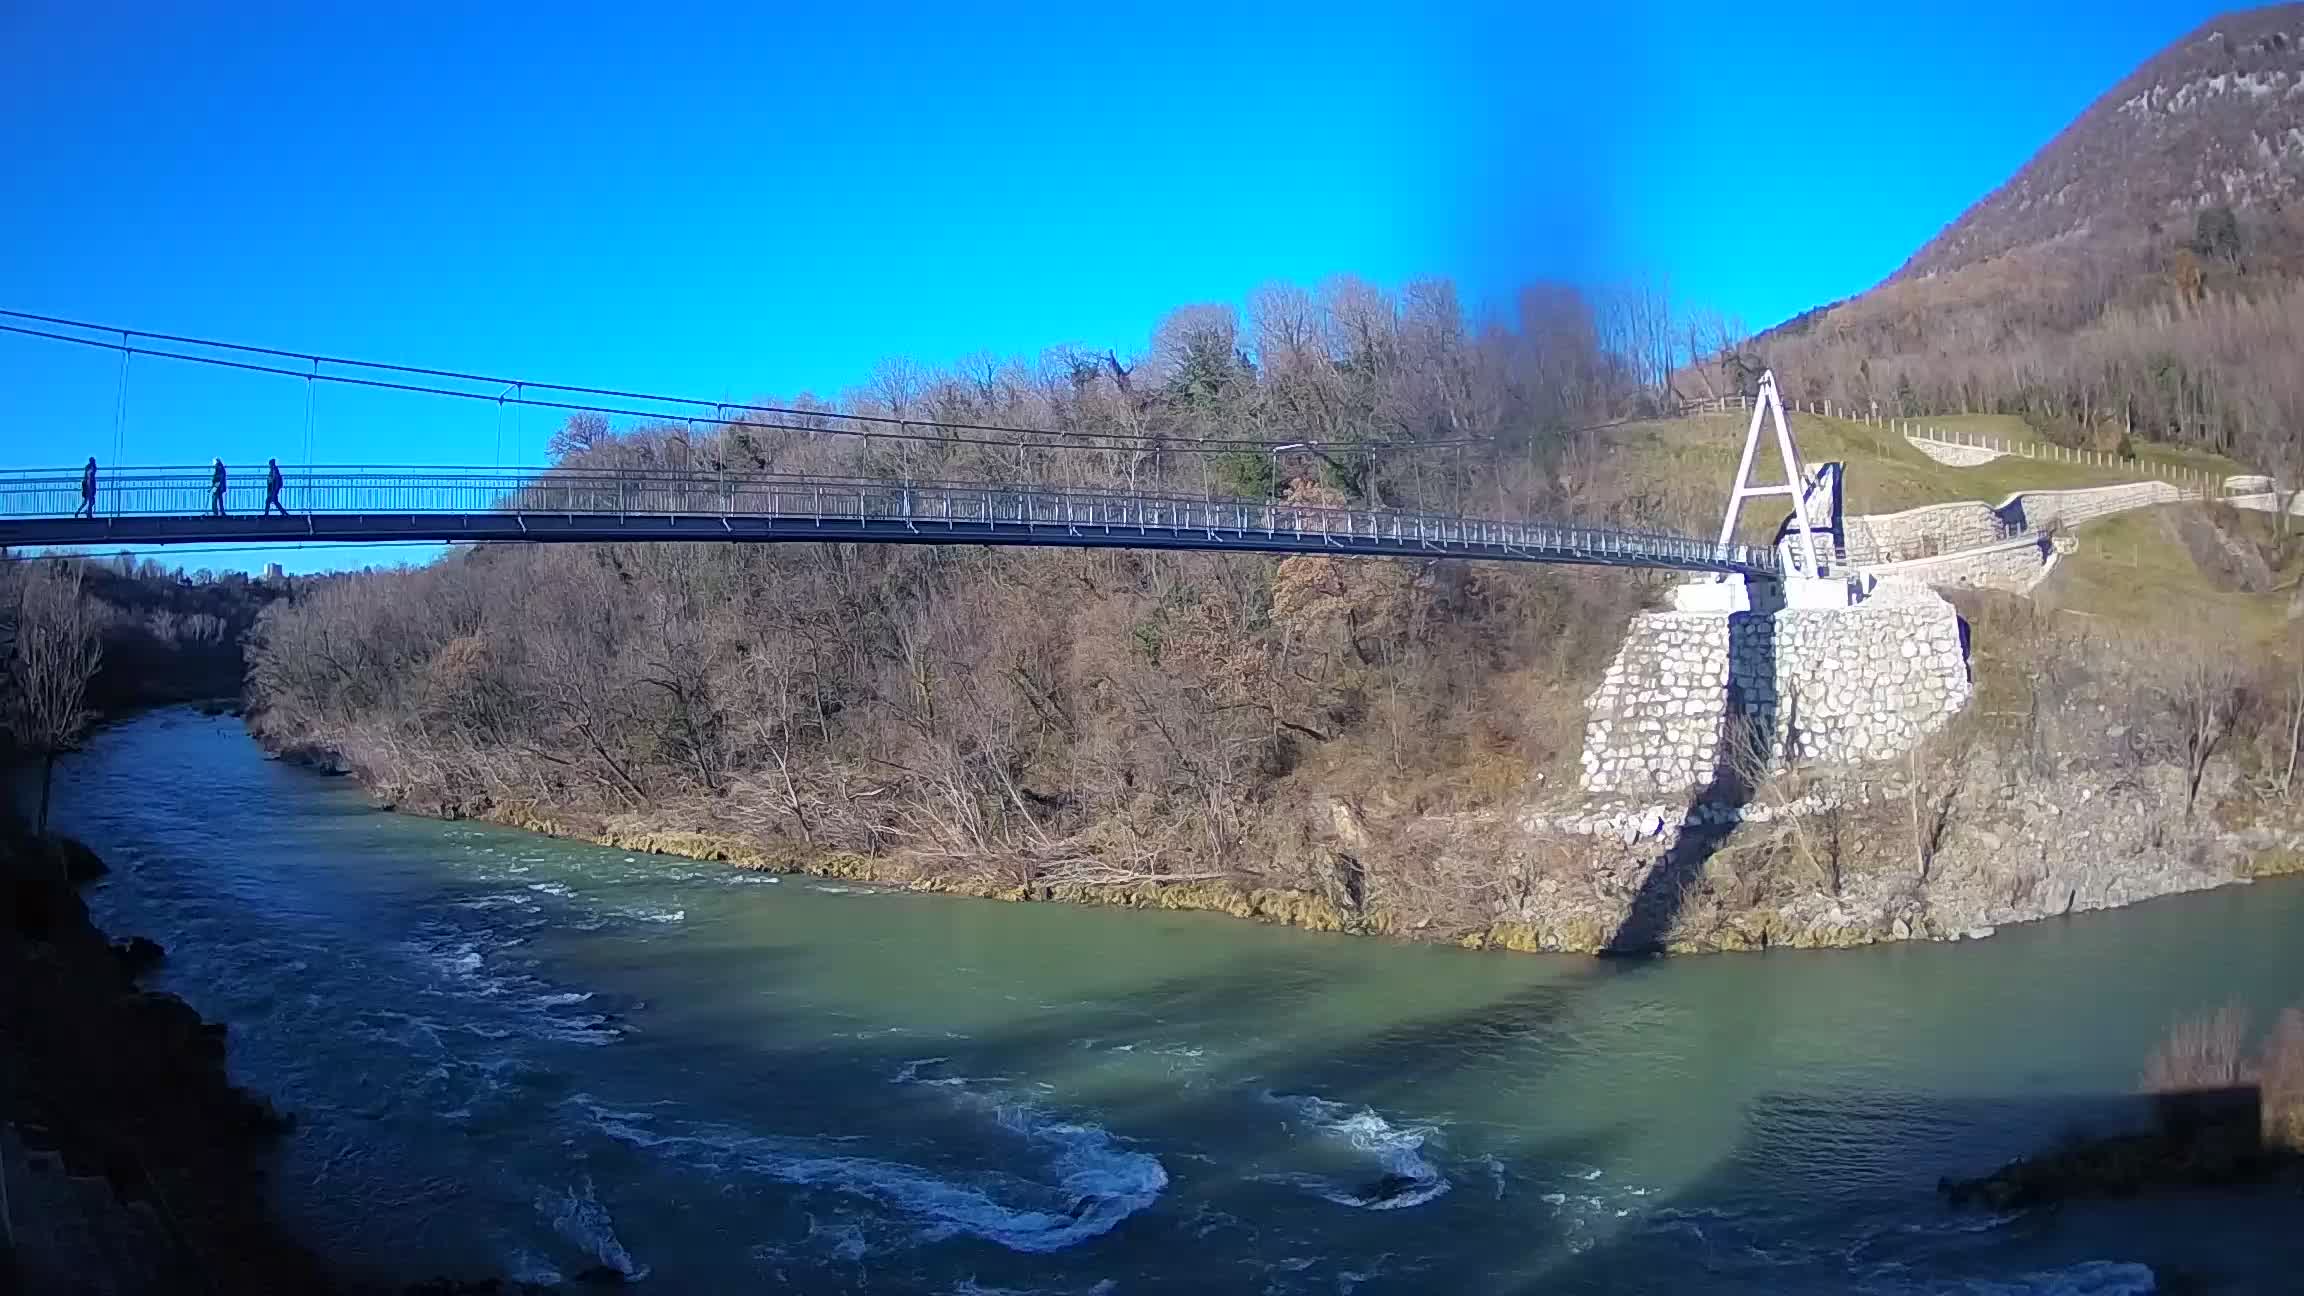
(1740, 757)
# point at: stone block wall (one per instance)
(1877, 538)
(1913, 533)
(2033, 510)
(1842, 686)
(2012, 565)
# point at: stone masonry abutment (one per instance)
(1833, 686)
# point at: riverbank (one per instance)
(1920, 852)
(129, 1161)
(132, 1157)
(517, 1055)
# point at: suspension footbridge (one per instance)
(168, 505)
(581, 500)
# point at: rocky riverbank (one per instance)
(2226, 1155)
(132, 1163)
(1912, 852)
(135, 1163)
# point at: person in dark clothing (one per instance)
(87, 490)
(272, 489)
(216, 490)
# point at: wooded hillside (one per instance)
(1068, 714)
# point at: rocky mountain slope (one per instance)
(2215, 120)
(2141, 277)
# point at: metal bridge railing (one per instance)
(655, 493)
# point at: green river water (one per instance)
(518, 1056)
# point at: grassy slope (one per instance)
(2131, 568)
(1885, 473)
(2015, 431)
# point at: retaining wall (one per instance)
(1972, 451)
(1931, 528)
(1886, 539)
(2013, 565)
(1692, 695)
(2265, 503)
(2034, 510)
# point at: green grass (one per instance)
(2006, 427)
(2215, 465)
(1696, 458)
(2014, 431)
(2130, 568)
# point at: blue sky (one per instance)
(745, 200)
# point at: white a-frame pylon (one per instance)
(1767, 406)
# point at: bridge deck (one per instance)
(173, 506)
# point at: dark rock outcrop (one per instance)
(79, 863)
(128, 1086)
(2210, 1139)
(126, 1089)
(138, 955)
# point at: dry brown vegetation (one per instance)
(2220, 371)
(51, 635)
(1027, 719)
(2211, 1055)
(2062, 692)
(1033, 715)
(80, 638)
(2224, 1116)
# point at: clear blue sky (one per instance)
(745, 200)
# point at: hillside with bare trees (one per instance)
(2137, 278)
(2213, 121)
(1096, 717)
(1327, 740)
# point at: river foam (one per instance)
(472, 966)
(578, 1218)
(1410, 1177)
(1764, 1126)
(1082, 1185)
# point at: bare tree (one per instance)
(1114, 717)
(2205, 690)
(2294, 719)
(55, 653)
(2203, 1053)
(1769, 770)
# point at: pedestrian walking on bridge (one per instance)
(87, 490)
(216, 490)
(272, 489)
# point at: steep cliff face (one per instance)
(2216, 119)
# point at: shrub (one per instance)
(2202, 1071)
